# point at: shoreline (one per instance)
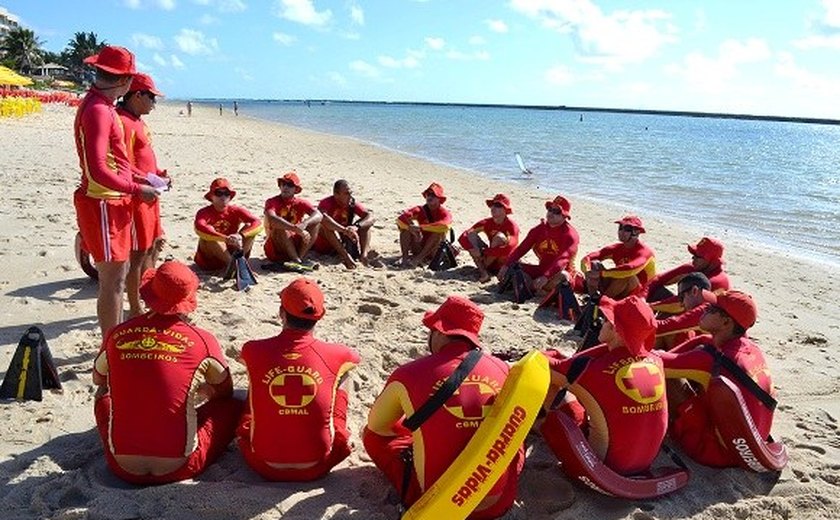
(51, 460)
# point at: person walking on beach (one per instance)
(298, 390)
(292, 225)
(422, 228)
(555, 243)
(235, 108)
(164, 409)
(338, 233)
(189, 108)
(453, 337)
(103, 200)
(223, 228)
(502, 237)
(706, 258)
(147, 231)
(634, 264)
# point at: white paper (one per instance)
(157, 182)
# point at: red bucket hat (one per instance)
(708, 249)
(739, 306)
(457, 316)
(292, 178)
(632, 220)
(303, 299)
(219, 184)
(500, 198)
(170, 289)
(113, 59)
(633, 320)
(436, 190)
(560, 202)
(144, 82)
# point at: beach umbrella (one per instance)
(10, 77)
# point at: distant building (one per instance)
(51, 71)
(8, 21)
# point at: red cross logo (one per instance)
(471, 401)
(222, 226)
(641, 382)
(293, 390)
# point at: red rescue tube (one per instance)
(582, 464)
(84, 259)
(737, 429)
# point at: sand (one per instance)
(51, 464)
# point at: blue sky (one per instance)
(769, 57)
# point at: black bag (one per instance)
(590, 322)
(519, 281)
(350, 246)
(444, 257)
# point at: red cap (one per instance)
(500, 198)
(436, 190)
(633, 320)
(560, 202)
(632, 220)
(303, 299)
(739, 306)
(170, 289)
(219, 184)
(290, 177)
(116, 60)
(143, 82)
(457, 316)
(708, 249)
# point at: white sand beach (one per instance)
(51, 464)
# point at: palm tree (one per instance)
(80, 47)
(22, 48)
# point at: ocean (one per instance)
(777, 183)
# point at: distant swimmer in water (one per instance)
(581, 118)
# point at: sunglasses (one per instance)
(149, 95)
(497, 205)
(222, 193)
(555, 211)
(625, 227)
(287, 184)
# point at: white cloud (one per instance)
(337, 78)
(147, 41)
(191, 41)
(805, 80)
(610, 40)
(208, 19)
(818, 42)
(177, 63)
(350, 35)
(832, 13)
(243, 74)
(497, 26)
(232, 6)
(140, 65)
(202, 2)
(435, 43)
(283, 38)
(468, 56)
(364, 68)
(357, 14)
(167, 5)
(303, 12)
(409, 62)
(132, 4)
(559, 75)
(160, 60)
(477, 40)
(714, 74)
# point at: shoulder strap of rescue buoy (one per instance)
(578, 366)
(741, 375)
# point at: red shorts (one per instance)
(322, 246)
(105, 226)
(340, 451)
(145, 228)
(276, 254)
(386, 453)
(216, 428)
(208, 263)
(695, 433)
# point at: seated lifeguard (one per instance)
(422, 228)
(339, 234)
(706, 258)
(693, 293)
(291, 223)
(223, 229)
(727, 320)
(453, 334)
(165, 409)
(298, 392)
(502, 237)
(555, 243)
(618, 390)
(633, 264)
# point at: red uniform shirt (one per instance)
(440, 221)
(684, 325)
(489, 227)
(330, 206)
(138, 143)
(154, 363)
(636, 260)
(444, 435)
(718, 279)
(100, 144)
(293, 382)
(555, 247)
(293, 210)
(214, 225)
(624, 397)
(697, 365)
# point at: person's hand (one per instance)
(352, 232)
(416, 231)
(234, 240)
(303, 233)
(148, 193)
(540, 282)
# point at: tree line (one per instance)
(21, 50)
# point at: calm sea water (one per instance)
(775, 182)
